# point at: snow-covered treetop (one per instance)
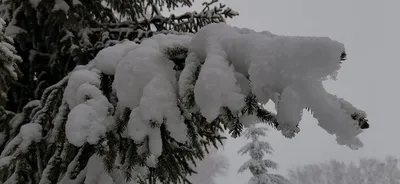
(257, 165)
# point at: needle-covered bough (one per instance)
(148, 109)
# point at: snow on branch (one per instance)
(293, 67)
(170, 96)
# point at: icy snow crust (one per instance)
(234, 62)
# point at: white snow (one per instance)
(136, 128)
(76, 2)
(291, 66)
(34, 3)
(96, 173)
(168, 41)
(11, 29)
(90, 120)
(158, 103)
(77, 78)
(330, 115)
(234, 63)
(139, 129)
(290, 111)
(216, 86)
(107, 59)
(61, 5)
(187, 78)
(155, 142)
(31, 132)
(6, 161)
(137, 69)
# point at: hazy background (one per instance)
(369, 78)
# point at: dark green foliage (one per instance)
(52, 43)
(9, 71)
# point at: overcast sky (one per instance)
(369, 78)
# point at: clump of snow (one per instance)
(5, 161)
(34, 3)
(290, 110)
(77, 78)
(96, 173)
(187, 78)
(107, 59)
(136, 128)
(233, 63)
(76, 2)
(31, 132)
(139, 129)
(60, 5)
(291, 66)
(137, 69)
(155, 142)
(158, 103)
(12, 30)
(216, 86)
(164, 42)
(145, 82)
(89, 121)
(90, 117)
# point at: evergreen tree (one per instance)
(258, 166)
(9, 71)
(367, 171)
(142, 100)
(54, 36)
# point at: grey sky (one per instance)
(369, 78)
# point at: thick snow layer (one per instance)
(137, 129)
(158, 103)
(331, 117)
(82, 120)
(216, 86)
(290, 110)
(187, 78)
(90, 120)
(293, 67)
(96, 173)
(34, 3)
(31, 132)
(61, 5)
(76, 2)
(168, 41)
(107, 59)
(86, 124)
(233, 63)
(155, 142)
(137, 69)
(6, 161)
(76, 79)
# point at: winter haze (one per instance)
(369, 30)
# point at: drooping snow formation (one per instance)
(221, 66)
(293, 67)
(89, 118)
